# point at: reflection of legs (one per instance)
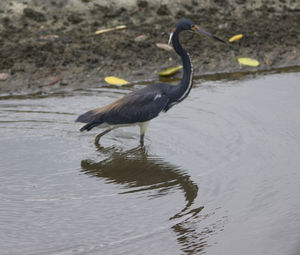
(143, 128)
(97, 137)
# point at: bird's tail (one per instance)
(91, 119)
(86, 117)
(89, 126)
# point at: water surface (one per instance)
(219, 173)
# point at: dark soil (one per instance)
(49, 47)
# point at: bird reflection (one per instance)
(137, 171)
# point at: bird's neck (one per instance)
(186, 83)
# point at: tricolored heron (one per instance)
(141, 106)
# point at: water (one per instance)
(219, 173)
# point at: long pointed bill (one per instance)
(200, 31)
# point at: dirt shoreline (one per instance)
(44, 47)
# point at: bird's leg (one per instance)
(142, 139)
(97, 137)
(143, 128)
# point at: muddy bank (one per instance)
(53, 44)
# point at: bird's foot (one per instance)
(97, 137)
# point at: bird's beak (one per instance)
(200, 31)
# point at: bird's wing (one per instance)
(138, 106)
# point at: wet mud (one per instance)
(54, 45)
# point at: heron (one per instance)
(141, 106)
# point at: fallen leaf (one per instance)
(236, 38)
(52, 80)
(170, 71)
(248, 61)
(268, 60)
(221, 26)
(141, 38)
(4, 76)
(164, 46)
(101, 31)
(115, 81)
(293, 57)
(49, 37)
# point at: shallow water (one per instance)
(219, 173)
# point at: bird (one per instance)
(141, 106)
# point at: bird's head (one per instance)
(185, 24)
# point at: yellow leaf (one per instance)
(170, 71)
(248, 61)
(115, 81)
(236, 38)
